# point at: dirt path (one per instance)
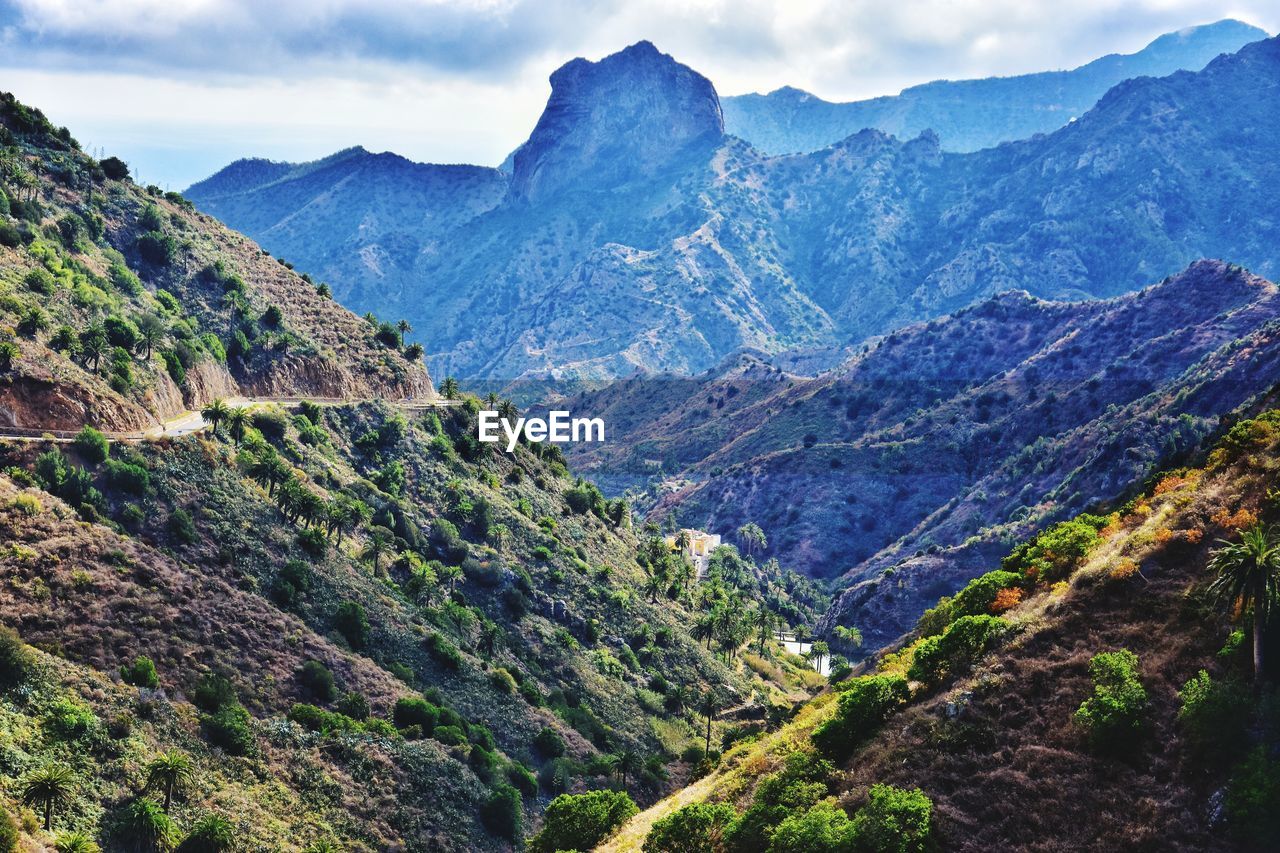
(190, 422)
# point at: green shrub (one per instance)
(450, 735)
(294, 579)
(213, 692)
(229, 728)
(41, 281)
(1251, 801)
(443, 652)
(549, 743)
(801, 784)
(1214, 716)
(142, 673)
(503, 813)
(523, 780)
(8, 832)
(1055, 552)
(962, 643)
(317, 680)
(157, 248)
(691, 829)
(68, 720)
(17, 664)
(415, 711)
(114, 168)
(894, 821)
(127, 477)
(352, 623)
(581, 821)
(1113, 716)
(824, 828)
(183, 527)
(864, 704)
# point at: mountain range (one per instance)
(605, 253)
(971, 114)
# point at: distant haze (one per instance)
(179, 89)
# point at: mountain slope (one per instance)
(709, 248)
(362, 628)
(920, 456)
(995, 739)
(971, 114)
(126, 305)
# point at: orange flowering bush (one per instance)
(1006, 599)
(1237, 520)
(1124, 569)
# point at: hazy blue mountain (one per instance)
(355, 219)
(971, 114)
(635, 235)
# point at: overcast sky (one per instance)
(181, 87)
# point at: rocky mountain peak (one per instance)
(616, 121)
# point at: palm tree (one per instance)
(403, 328)
(627, 763)
(849, 637)
(215, 413)
(1249, 577)
(508, 412)
(762, 620)
(47, 788)
(93, 345)
(237, 423)
(380, 539)
(76, 842)
(166, 772)
(817, 652)
(152, 329)
(752, 537)
(449, 388)
(710, 705)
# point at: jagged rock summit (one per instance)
(615, 121)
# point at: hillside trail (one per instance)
(190, 422)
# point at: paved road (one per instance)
(193, 422)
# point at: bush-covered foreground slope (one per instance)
(361, 630)
(320, 627)
(1094, 691)
(120, 305)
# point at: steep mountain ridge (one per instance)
(726, 249)
(622, 119)
(971, 114)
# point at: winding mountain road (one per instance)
(190, 422)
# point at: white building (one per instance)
(698, 547)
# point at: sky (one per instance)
(179, 88)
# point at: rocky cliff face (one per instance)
(608, 123)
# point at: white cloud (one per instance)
(445, 81)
